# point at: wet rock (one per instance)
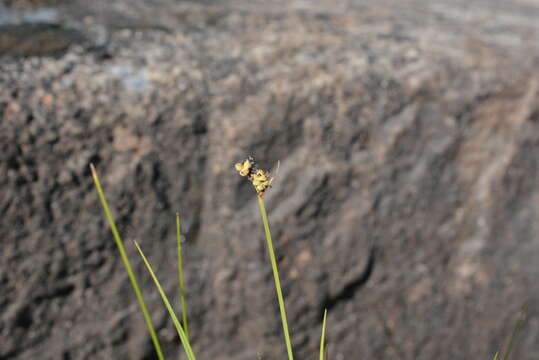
(37, 39)
(25, 4)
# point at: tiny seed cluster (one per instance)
(258, 177)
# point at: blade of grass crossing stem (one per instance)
(271, 254)
(323, 335)
(495, 356)
(180, 276)
(127, 264)
(181, 333)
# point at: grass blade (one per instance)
(181, 333)
(271, 254)
(495, 356)
(323, 335)
(518, 326)
(127, 264)
(180, 277)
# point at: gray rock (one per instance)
(406, 200)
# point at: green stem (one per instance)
(323, 335)
(518, 326)
(180, 276)
(179, 329)
(271, 254)
(127, 264)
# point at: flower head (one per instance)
(258, 177)
(246, 167)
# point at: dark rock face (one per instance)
(36, 40)
(406, 202)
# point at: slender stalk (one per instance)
(180, 276)
(127, 264)
(323, 335)
(518, 326)
(179, 329)
(271, 254)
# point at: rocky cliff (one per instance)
(407, 200)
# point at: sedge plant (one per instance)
(127, 263)
(261, 181)
(134, 282)
(322, 339)
(183, 337)
(519, 324)
(180, 276)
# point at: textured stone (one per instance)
(406, 201)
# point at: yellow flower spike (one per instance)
(245, 168)
(259, 178)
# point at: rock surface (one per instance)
(407, 200)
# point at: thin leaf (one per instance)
(127, 264)
(518, 326)
(180, 276)
(323, 335)
(181, 333)
(495, 356)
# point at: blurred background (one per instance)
(407, 200)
